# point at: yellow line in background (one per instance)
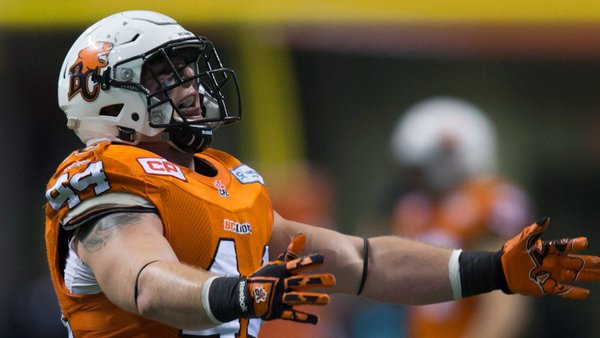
(25, 13)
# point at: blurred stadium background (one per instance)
(324, 82)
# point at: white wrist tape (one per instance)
(206, 303)
(454, 274)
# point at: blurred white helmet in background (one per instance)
(448, 139)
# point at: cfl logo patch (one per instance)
(221, 189)
(238, 228)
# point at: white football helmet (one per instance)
(448, 139)
(101, 92)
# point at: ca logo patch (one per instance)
(160, 166)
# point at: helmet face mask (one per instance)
(163, 71)
(122, 80)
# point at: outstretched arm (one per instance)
(396, 270)
(411, 272)
(138, 271)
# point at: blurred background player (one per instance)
(452, 196)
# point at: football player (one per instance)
(151, 233)
(453, 197)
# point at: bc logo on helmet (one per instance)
(87, 65)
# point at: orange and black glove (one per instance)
(279, 286)
(535, 267)
(294, 249)
(273, 291)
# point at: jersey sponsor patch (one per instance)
(238, 228)
(160, 166)
(247, 175)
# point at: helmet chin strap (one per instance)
(190, 139)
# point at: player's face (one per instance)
(185, 97)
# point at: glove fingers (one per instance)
(294, 249)
(538, 227)
(543, 222)
(571, 262)
(567, 245)
(535, 231)
(586, 275)
(299, 316)
(305, 298)
(528, 236)
(581, 268)
(300, 264)
(582, 276)
(573, 292)
(303, 282)
(590, 262)
(578, 244)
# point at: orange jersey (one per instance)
(478, 210)
(221, 224)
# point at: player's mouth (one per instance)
(190, 107)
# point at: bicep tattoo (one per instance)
(95, 235)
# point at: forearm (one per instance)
(399, 270)
(343, 255)
(171, 293)
(407, 271)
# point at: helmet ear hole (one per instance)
(113, 110)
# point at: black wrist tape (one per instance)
(481, 272)
(229, 298)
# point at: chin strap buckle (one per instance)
(126, 134)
